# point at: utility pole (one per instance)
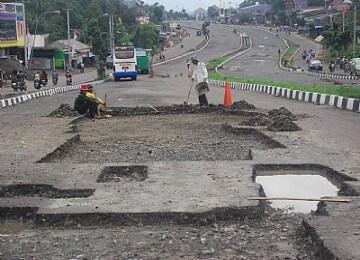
(69, 41)
(355, 27)
(25, 38)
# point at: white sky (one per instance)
(189, 5)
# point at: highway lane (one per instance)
(262, 62)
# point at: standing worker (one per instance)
(87, 102)
(200, 74)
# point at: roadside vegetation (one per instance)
(289, 53)
(344, 91)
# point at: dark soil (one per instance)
(257, 121)
(243, 105)
(275, 237)
(65, 110)
(181, 109)
(121, 173)
(277, 120)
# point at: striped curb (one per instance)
(340, 102)
(332, 76)
(8, 102)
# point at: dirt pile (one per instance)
(64, 110)
(259, 120)
(243, 105)
(177, 110)
(282, 120)
(277, 120)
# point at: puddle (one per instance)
(296, 184)
(11, 227)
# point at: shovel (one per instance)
(187, 100)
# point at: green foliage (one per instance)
(87, 17)
(146, 36)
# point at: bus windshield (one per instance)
(124, 54)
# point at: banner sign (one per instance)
(12, 27)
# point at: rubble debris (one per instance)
(282, 111)
(243, 105)
(64, 110)
(282, 124)
(259, 120)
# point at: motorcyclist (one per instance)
(68, 76)
(37, 76)
(21, 77)
(44, 77)
(54, 75)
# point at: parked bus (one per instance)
(143, 61)
(125, 62)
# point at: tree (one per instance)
(146, 36)
(213, 13)
(97, 39)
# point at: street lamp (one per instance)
(344, 8)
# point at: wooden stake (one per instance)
(325, 199)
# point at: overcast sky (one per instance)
(189, 5)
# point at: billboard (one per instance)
(12, 25)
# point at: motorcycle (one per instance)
(15, 85)
(55, 81)
(22, 85)
(37, 84)
(69, 81)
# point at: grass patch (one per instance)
(290, 52)
(215, 62)
(344, 91)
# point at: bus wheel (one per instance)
(134, 78)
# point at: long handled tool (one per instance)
(325, 199)
(187, 100)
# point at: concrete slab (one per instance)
(338, 234)
(173, 190)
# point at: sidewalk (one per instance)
(89, 75)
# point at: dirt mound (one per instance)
(282, 124)
(174, 110)
(281, 112)
(243, 105)
(257, 121)
(65, 110)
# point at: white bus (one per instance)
(125, 64)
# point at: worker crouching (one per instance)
(87, 102)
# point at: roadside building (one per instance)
(12, 29)
(79, 52)
(258, 12)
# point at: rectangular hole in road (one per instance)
(311, 181)
(296, 184)
(123, 173)
(42, 190)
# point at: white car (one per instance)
(355, 66)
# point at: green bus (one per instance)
(143, 61)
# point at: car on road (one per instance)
(109, 62)
(315, 65)
(355, 66)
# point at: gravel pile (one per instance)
(64, 110)
(243, 105)
(277, 120)
(257, 121)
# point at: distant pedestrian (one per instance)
(200, 75)
(188, 63)
(279, 52)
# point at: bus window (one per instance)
(124, 54)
